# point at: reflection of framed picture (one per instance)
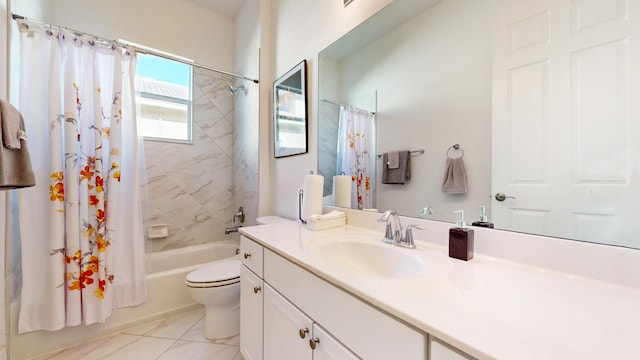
(290, 112)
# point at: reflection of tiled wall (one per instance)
(328, 119)
(190, 187)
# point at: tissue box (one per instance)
(327, 221)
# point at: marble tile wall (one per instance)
(245, 149)
(191, 188)
(329, 118)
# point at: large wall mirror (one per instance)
(539, 96)
(290, 112)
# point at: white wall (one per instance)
(300, 30)
(4, 75)
(180, 27)
(429, 97)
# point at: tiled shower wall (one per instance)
(329, 118)
(191, 188)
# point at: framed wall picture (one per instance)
(290, 118)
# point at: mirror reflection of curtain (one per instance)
(355, 155)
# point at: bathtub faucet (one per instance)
(232, 229)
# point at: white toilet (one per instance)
(217, 287)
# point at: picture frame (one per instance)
(290, 112)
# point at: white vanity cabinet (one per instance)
(441, 351)
(290, 334)
(286, 311)
(328, 347)
(366, 331)
(251, 299)
(287, 330)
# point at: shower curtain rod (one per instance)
(144, 51)
(339, 104)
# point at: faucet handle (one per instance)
(388, 234)
(408, 237)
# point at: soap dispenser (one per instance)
(461, 239)
(483, 221)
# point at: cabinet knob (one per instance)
(247, 255)
(256, 289)
(303, 333)
(313, 343)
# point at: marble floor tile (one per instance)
(196, 333)
(179, 336)
(172, 327)
(199, 351)
(132, 347)
(75, 352)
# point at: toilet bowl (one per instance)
(217, 287)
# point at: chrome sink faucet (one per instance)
(408, 237)
(390, 217)
(396, 237)
(392, 236)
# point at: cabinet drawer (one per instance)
(251, 255)
(367, 331)
(251, 295)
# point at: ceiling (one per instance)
(229, 8)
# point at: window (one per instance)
(163, 97)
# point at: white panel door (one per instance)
(286, 329)
(250, 314)
(328, 348)
(563, 122)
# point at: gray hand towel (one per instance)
(15, 164)
(10, 122)
(455, 177)
(399, 175)
(393, 159)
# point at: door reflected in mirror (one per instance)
(540, 102)
(290, 112)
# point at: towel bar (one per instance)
(412, 152)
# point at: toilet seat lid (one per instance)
(220, 271)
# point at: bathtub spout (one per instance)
(232, 229)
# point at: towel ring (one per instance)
(455, 147)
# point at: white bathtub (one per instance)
(166, 271)
(190, 257)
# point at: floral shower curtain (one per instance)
(81, 226)
(355, 153)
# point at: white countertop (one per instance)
(486, 307)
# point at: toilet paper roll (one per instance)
(342, 190)
(312, 197)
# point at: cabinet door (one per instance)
(251, 295)
(328, 348)
(441, 351)
(283, 326)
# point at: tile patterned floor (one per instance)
(175, 338)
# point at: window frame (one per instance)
(168, 99)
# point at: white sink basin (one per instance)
(368, 254)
